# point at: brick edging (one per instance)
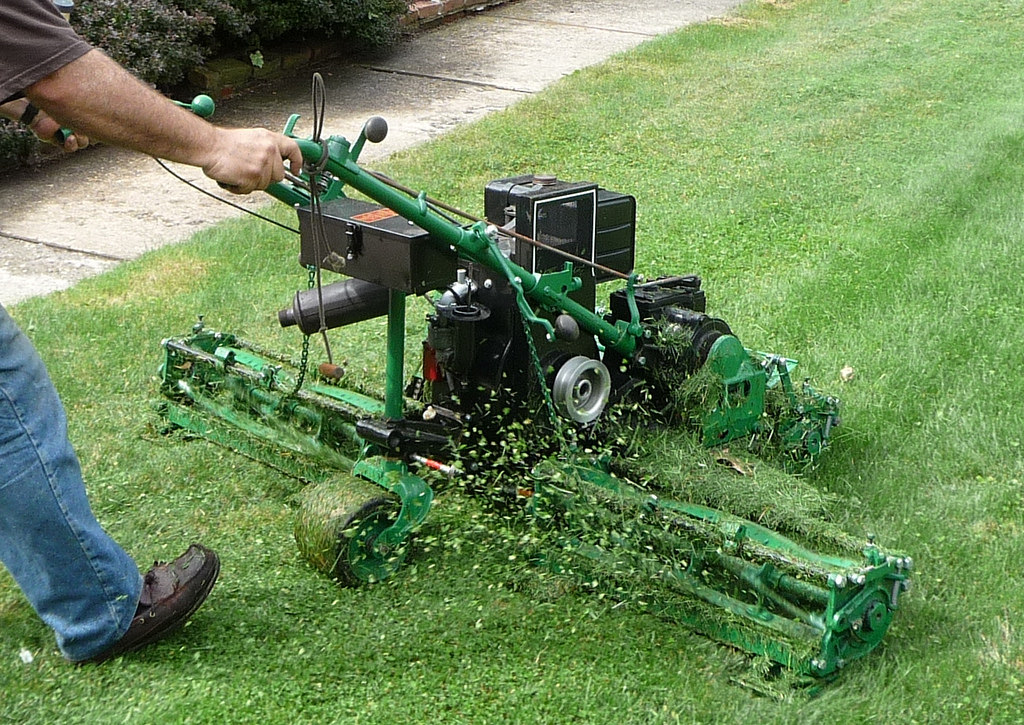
(427, 12)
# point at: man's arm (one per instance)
(95, 96)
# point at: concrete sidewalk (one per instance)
(85, 214)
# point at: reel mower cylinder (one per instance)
(344, 302)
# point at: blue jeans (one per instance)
(78, 579)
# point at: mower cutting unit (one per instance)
(640, 418)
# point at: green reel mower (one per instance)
(633, 404)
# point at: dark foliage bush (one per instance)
(160, 40)
(369, 21)
(16, 143)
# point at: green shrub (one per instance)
(160, 40)
(369, 21)
(17, 143)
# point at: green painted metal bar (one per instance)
(240, 355)
(233, 438)
(395, 364)
(271, 405)
(686, 584)
(759, 577)
(365, 403)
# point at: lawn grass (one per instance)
(846, 176)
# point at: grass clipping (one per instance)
(673, 464)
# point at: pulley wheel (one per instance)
(337, 528)
(581, 389)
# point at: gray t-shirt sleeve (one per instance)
(35, 41)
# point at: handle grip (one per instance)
(202, 105)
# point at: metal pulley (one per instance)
(581, 389)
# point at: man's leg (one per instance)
(78, 579)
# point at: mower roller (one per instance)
(656, 442)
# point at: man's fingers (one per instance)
(277, 170)
(290, 150)
(75, 142)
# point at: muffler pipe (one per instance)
(345, 302)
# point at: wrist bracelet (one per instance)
(29, 114)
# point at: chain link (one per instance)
(304, 360)
(565, 444)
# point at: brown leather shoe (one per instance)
(171, 593)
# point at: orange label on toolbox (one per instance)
(376, 215)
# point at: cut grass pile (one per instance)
(847, 177)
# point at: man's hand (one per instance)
(247, 159)
(44, 127)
